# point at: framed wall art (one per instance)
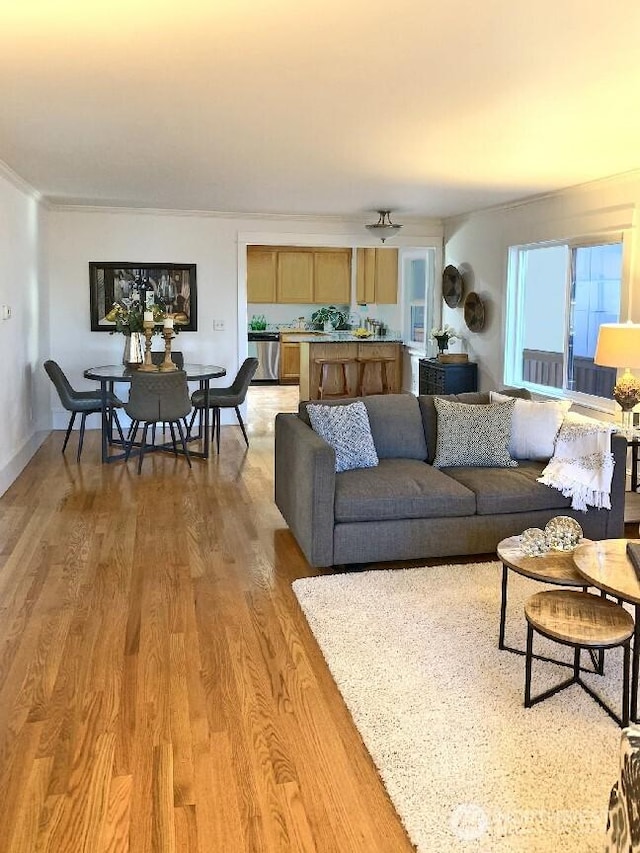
(174, 287)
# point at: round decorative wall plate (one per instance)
(474, 312)
(452, 286)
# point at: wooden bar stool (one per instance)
(581, 620)
(382, 361)
(325, 368)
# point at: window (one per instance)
(558, 295)
(417, 286)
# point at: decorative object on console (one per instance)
(384, 228)
(474, 312)
(443, 336)
(619, 346)
(452, 286)
(169, 288)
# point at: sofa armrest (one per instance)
(305, 476)
(615, 522)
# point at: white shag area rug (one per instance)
(414, 653)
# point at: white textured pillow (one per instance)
(347, 430)
(534, 426)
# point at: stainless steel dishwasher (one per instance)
(265, 346)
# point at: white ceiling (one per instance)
(426, 107)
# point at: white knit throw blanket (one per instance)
(582, 463)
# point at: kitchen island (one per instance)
(344, 345)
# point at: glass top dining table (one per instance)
(109, 374)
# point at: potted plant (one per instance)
(328, 317)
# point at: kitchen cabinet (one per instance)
(352, 350)
(261, 275)
(377, 276)
(294, 281)
(298, 275)
(289, 362)
(332, 277)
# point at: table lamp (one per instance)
(619, 346)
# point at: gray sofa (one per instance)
(405, 509)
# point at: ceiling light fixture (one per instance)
(384, 228)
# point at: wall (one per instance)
(216, 244)
(478, 244)
(24, 395)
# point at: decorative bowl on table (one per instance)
(534, 542)
(563, 533)
(362, 333)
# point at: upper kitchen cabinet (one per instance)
(294, 280)
(261, 274)
(288, 274)
(377, 276)
(332, 276)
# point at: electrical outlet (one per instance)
(6, 312)
(218, 325)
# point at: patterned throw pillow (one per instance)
(473, 435)
(347, 430)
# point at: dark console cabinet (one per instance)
(439, 378)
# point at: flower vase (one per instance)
(133, 355)
(443, 344)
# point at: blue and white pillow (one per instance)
(348, 431)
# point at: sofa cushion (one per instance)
(397, 489)
(534, 426)
(508, 490)
(396, 424)
(473, 435)
(347, 430)
(430, 417)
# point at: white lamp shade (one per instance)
(618, 345)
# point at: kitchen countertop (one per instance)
(303, 337)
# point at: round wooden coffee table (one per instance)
(554, 567)
(605, 565)
(580, 620)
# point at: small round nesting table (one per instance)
(581, 620)
(554, 567)
(606, 566)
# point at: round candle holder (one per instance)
(148, 365)
(167, 364)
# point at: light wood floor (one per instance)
(159, 687)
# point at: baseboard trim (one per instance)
(14, 467)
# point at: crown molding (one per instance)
(586, 186)
(303, 218)
(19, 183)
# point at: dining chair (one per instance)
(226, 398)
(80, 402)
(157, 398)
(157, 357)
